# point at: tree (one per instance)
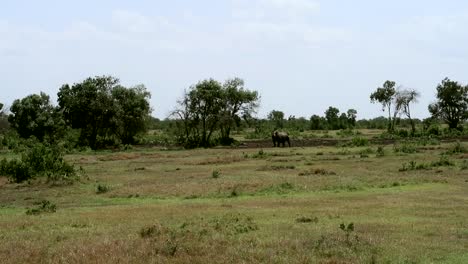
(403, 99)
(89, 106)
(34, 115)
(210, 107)
(332, 117)
(132, 112)
(385, 95)
(452, 103)
(4, 125)
(317, 122)
(105, 111)
(237, 102)
(351, 116)
(199, 112)
(277, 117)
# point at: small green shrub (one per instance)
(456, 148)
(261, 154)
(380, 151)
(358, 142)
(102, 188)
(304, 219)
(215, 174)
(442, 162)
(44, 207)
(464, 165)
(405, 148)
(318, 171)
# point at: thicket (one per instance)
(39, 160)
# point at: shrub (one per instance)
(304, 219)
(358, 142)
(39, 161)
(44, 207)
(457, 148)
(102, 188)
(380, 151)
(405, 148)
(464, 165)
(443, 161)
(215, 174)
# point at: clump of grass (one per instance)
(44, 206)
(233, 224)
(442, 162)
(406, 148)
(281, 188)
(358, 142)
(151, 231)
(457, 148)
(344, 151)
(260, 155)
(102, 188)
(380, 151)
(234, 192)
(464, 165)
(215, 174)
(412, 165)
(304, 219)
(318, 171)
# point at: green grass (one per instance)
(166, 207)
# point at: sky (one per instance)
(302, 56)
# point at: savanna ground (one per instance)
(397, 203)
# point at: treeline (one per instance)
(99, 112)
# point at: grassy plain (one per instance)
(404, 203)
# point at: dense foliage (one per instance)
(452, 103)
(104, 111)
(210, 107)
(39, 160)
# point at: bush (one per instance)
(215, 174)
(44, 207)
(405, 148)
(357, 142)
(457, 148)
(102, 188)
(39, 161)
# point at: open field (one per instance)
(402, 203)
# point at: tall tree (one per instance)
(34, 115)
(452, 103)
(89, 106)
(277, 117)
(237, 102)
(351, 115)
(132, 112)
(332, 117)
(385, 95)
(199, 112)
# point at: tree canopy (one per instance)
(35, 116)
(103, 109)
(452, 103)
(210, 106)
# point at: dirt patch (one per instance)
(3, 181)
(120, 156)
